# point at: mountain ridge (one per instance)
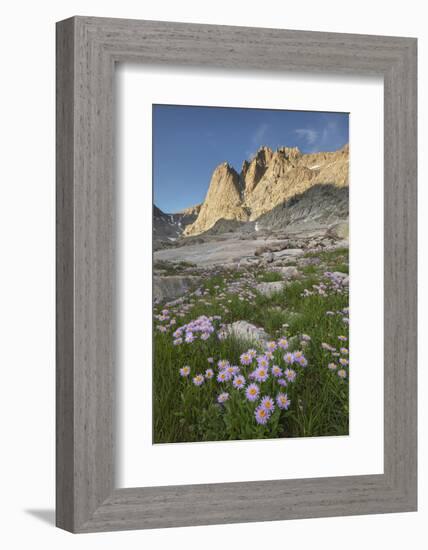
(267, 180)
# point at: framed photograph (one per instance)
(236, 218)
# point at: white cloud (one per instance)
(260, 133)
(329, 131)
(308, 134)
(257, 138)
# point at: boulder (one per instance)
(339, 231)
(248, 261)
(308, 261)
(246, 331)
(343, 277)
(289, 252)
(173, 286)
(268, 289)
(340, 275)
(261, 250)
(289, 272)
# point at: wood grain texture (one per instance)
(87, 49)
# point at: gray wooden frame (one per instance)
(87, 50)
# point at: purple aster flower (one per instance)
(252, 353)
(289, 358)
(210, 360)
(271, 346)
(185, 371)
(276, 371)
(222, 376)
(239, 382)
(342, 338)
(178, 341)
(283, 343)
(261, 374)
(189, 337)
(252, 392)
(282, 382)
(232, 370)
(263, 361)
(332, 366)
(282, 401)
(306, 337)
(343, 361)
(209, 373)
(246, 358)
(198, 380)
(205, 335)
(344, 351)
(325, 346)
(303, 362)
(341, 373)
(262, 415)
(223, 397)
(268, 404)
(223, 364)
(290, 375)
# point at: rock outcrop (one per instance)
(243, 330)
(269, 179)
(173, 286)
(223, 200)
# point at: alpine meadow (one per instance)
(250, 274)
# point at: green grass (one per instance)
(269, 277)
(344, 268)
(319, 398)
(310, 269)
(328, 256)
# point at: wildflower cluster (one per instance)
(212, 384)
(259, 379)
(333, 284)
(339, 358)
(202, 328)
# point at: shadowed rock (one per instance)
(173, 286)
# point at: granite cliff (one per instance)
(271, 179)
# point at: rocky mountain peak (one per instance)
(268, 179)
(290, 152)
(264, 154)
(252, 171)
(223, 200)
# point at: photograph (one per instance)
(250, 274)
(207, 208)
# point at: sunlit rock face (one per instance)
(270, 178)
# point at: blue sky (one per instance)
(189, 142)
